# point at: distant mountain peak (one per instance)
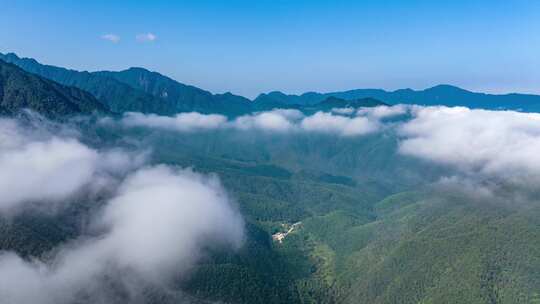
(276, 93)
(11, 56)
(446, 88)
(139, 70)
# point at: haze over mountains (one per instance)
(140, 90)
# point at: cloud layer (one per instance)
(50, 170)
(495, 143)
(277, 120)
(157, 227)
(337, 124)
(41, 168)
(381, 112)
(157, 222)
(180, 122)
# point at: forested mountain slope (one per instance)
(22, 90)
(137, 90)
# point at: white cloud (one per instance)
(50, 170)
(156, 224)
(111, 37)
(341, 125)
(380, 112)
(343, 111)
(181, 122)
(10, 134)
(155, 228)
(193, 211)
(146, 37)
(35, 168)
(278, 120)
(503, 144)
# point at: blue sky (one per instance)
(249, 47)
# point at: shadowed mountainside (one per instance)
(138, 90)
(22, 90)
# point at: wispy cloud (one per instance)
(111, 37)
(146, 37)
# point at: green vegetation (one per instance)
(140, 90)
(178, 97)
(137, 90)
(359, 222)
(374, 236)
(22, 90)
(360, 238)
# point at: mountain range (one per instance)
(139, 90)
(438, 95)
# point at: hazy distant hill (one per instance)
(137, 89)
(22, 90)
(438, 95)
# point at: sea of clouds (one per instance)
(158, 221)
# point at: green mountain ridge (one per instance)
(140, 90)
(21, 90)
(181, 97)
(137, 90)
